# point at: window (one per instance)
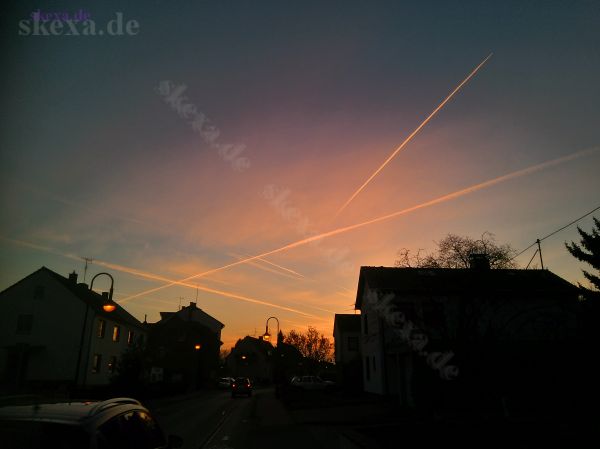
(24, 324)
(101, 328)
(112, 364)
(116, 333)
(38, 292)
(365, 325)
(352, 343)
(130, 337)
(368, 368)
(96, 363)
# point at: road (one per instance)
(215, 420)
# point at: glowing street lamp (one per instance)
(109, 305)
(266, 336)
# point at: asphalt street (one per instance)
(215, 420)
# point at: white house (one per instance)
(53, 331)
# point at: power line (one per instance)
(555, 232)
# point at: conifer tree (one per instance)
(588, 251)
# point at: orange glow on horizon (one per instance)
(441, 199)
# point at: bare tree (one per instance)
(454, 251)
(311, 344)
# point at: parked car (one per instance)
(311, 383)
(225, 382)
(117, 423)
(241, 385)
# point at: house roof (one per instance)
(460, 280)
(194, 313)
(346, 322)
(256, 343)
(83, 293)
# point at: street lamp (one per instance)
(109, 305)
(266, 335)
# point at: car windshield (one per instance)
(37, 435)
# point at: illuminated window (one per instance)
(130, 337)
(101, 328)
(116, 333)
(96, 363)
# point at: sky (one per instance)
(216, 131)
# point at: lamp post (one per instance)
(108, 306)
(266, 335)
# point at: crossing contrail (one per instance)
(441, 199)
(155, 277)
(413, 134)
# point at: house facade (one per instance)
(348, 354)
(54, 332)
(444, 336)
(253, 358)
(183, 348)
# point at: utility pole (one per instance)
(540, 251)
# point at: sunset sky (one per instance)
(315, 95)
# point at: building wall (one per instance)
(532, 323)
(344, 352)
(57, 320)
(106, 348)
(53, 344)
(372, 349)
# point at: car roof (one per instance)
(67, 412)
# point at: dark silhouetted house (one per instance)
(55, 334)
(348, 359)
(183, 348)
(478, 339)
(252, 357)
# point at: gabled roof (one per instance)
(191, 314)
(83, 293)
(346, 322)
(256, 343)
(461, 280)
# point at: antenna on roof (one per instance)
(87, 260)
(180, 298)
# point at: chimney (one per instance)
(191, 310)
(479, 261)
(73, 277)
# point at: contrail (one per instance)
(281, 271)
(413, 134)
(155, 277)
(441, 199)
(280, 267)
